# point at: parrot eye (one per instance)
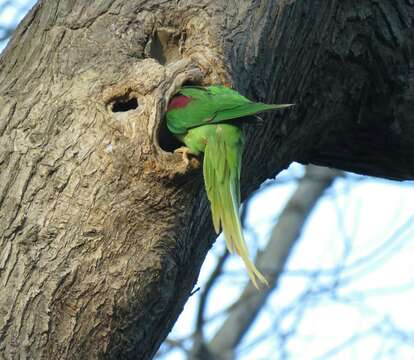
(123, 104)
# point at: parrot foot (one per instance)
(184, 151)
(189, 161)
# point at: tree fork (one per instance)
(104, 229)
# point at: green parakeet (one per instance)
(199, 118)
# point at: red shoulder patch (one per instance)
(178, 102)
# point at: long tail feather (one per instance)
(246, 110)
(222, 161)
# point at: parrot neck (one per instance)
(179, 102)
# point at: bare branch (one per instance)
(272, 260)
(198, 345)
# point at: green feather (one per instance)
(221, 168)
(211, 105)
(199, 126)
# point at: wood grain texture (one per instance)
(102, 232)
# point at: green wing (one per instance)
(221, 169)
(212, 104)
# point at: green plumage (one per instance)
(202, 125)
(211, 105)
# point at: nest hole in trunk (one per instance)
(166, 140)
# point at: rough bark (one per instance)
(103, 229)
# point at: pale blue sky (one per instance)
(372, 217)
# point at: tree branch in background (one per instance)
(5, 32)
(272, 260)
(207, 289)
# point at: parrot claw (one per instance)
(188, 163)
(184, 151)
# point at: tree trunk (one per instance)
(104, 229)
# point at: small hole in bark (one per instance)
(157, 51)
(165, 46)
(122, 105)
